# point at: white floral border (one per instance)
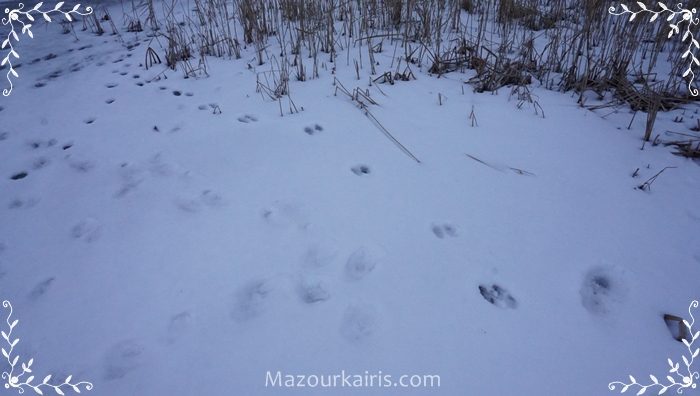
(687, 377)
(14, 380)
(15, 16)
(687, 17)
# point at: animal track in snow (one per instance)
(285, 215)
(317, 257)
(443, 230)
(178, 326)
(312, 130)
(359, 323)
(40, 163)
(41, 288)
(88, 230)
(360, 264)
(19, 175)
(121, 359)
(158, 167)
(247, 118)
(133, 174)
(207, 198)
(81, 165)
(19, 203)
(312, 290)
(601, 289)
(37, 144)
(251, 300)
(498, 296)
(361, 170)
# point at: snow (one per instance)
(194, 258)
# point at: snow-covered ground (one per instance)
(153, 246)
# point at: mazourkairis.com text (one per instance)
(345, 380)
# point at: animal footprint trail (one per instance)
(312, 130)
(286, 215)
(361, 170)
(19, 175)
(88, 230)
(132, 175)
(251, 300)
(444, 230)
(81, 165)
(178, 325)
(41, 162)
(602, 288)
(206, 198)
(360, 264)
(23, 203)
(498, 296)
(318, 257)
(41, 289)
(247, 118)
(359, 323)
(312, 291)
(122, 359)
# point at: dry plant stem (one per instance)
(646, 186)
(561, 44)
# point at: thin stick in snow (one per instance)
(500, 169)
(483, 163)
(647, 184)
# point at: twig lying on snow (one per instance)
(516, 170)
(647, 184)
(357, 97)
(521, 172)
(472, 118)
(482, 162)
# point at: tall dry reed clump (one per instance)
(568, 45)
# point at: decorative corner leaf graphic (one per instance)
(13, 378)
(16, 17)
(681, 16)
(686, 376)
